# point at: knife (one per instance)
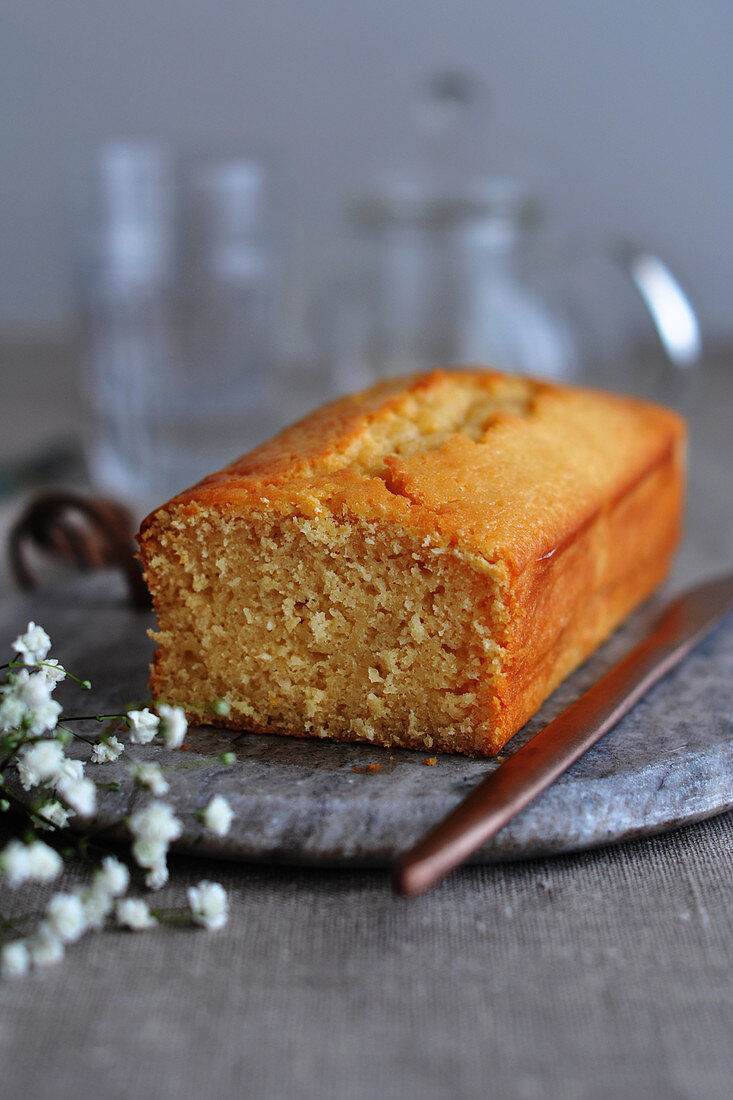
(498, 798)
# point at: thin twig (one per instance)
(8, 794)
(78, 736)
(92, 717)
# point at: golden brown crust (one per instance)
(514, 495)
(568, 604)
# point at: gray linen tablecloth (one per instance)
(606, 974)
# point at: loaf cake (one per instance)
(419, 565)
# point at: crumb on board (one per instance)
(371, 768)
(430, 761)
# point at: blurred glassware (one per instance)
(176, 277)
(444, 267)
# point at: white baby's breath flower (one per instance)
(208, 903)
(97, 905)
(32, 646)
(73, 770)
(40, 763)
(79, 792)
(12, 711)
(44, 862)
(173, 725)
(157, 876)
(14, 862)
(54, 815)
(111, 878)
(218, 816)
(153, 828)
(81, 796)
(143, 726)
(150, 776)
(29, 694)
(21, 862)
(105, 752)
(149, 853)
(134, 913)
(45, 947)
(14, 959)
(53, 671)
(156, 823)
(66, 917)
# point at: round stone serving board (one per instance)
(670, 761)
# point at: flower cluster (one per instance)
(208, 902)
(153, 828)
(32, 737)
(170, 723)
(34, 741)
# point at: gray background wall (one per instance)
(619, 113)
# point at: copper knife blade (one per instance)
(685, 621)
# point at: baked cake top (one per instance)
(507, 467)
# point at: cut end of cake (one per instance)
(312, 626)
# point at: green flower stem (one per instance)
(33, 815)
(172, 916)
(83, 683)
(78, 736)
(93, 717)
(8, 925)
(6, 760)
(91, 838)
(46, 664)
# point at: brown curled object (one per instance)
(419, 565)
(79, 531)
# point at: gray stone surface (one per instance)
(301, 801)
